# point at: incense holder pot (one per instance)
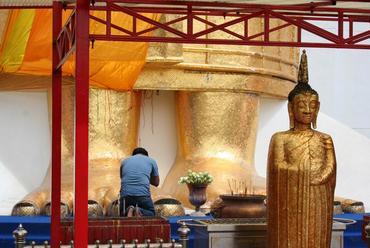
(241, 206)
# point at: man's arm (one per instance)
(154, 176)
(154, 180)
(120, 169)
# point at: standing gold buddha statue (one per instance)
(301, 175)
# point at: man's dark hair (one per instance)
(140, 150)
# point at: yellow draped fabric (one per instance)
(15, 39)
(37, 57)
(113, 65)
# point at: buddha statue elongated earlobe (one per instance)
(291, 116)
(314, 119)
(314, 122)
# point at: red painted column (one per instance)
(56, 130)
(82, 124)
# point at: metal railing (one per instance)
(183, 231)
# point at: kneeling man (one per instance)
(137, 173)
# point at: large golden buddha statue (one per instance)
(301, 175)
(217, 91)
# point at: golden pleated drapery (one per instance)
(301, 180)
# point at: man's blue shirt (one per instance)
(135, 175)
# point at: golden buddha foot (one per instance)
(217, 134)
(113, 120)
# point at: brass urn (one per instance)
(240, 206)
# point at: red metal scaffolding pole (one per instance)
(82, 124)
(56, 129)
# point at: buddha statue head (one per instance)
(303, 105)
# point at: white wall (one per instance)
(157, 131)
(341, 78)
(24, 145)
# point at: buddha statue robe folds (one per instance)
(301, 176)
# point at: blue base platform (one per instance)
(353, 233)
(39, 229)
(175, 226)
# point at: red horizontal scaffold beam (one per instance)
(310, 20)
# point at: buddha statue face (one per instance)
(303, 109)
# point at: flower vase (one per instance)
(197, 197)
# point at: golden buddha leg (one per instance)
(217, 108)
(113, 134)
(38, 201)
(227, 69)
(113, 130)
(216, 133)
